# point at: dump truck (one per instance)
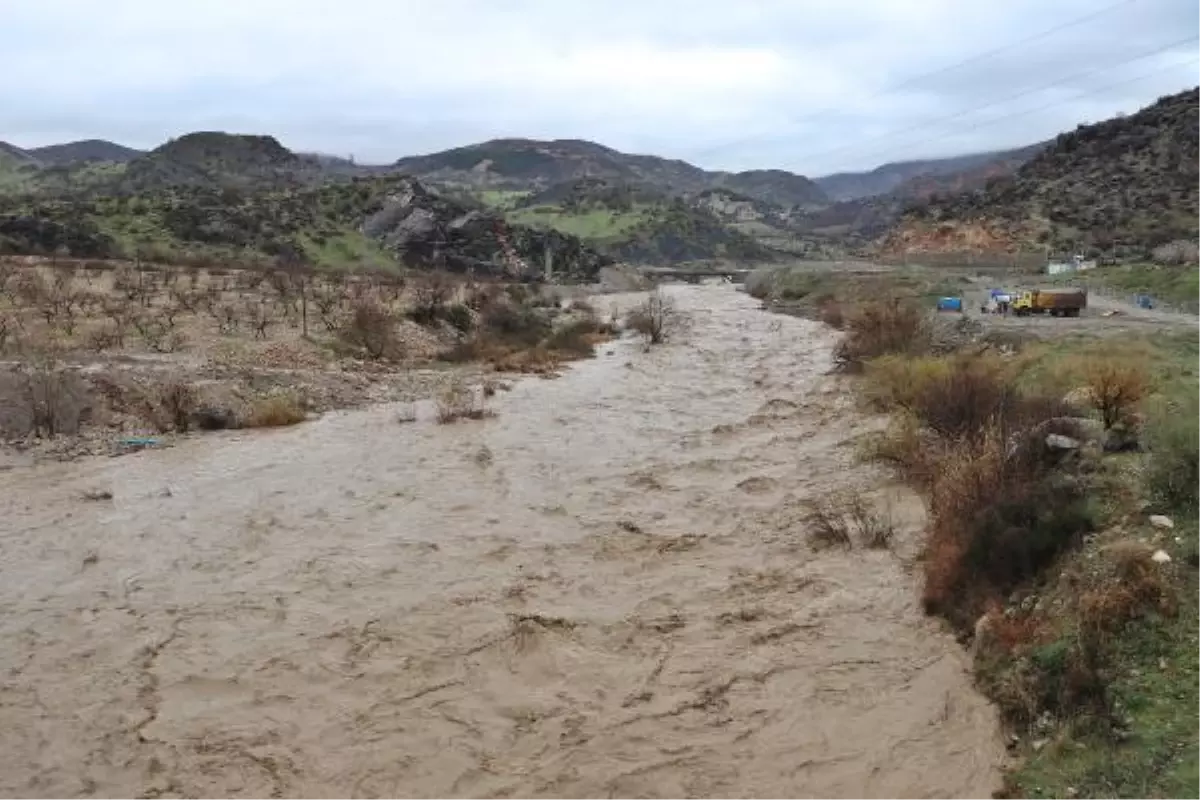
(1055, 302)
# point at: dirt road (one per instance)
(604, 590)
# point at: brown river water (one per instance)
(603, 591)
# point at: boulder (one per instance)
(1159, 521)
(1160, 557)
(1056, 441)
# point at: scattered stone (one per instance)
(1056, 441)
(1160, 557)
(1159, 521)
(1162, 663)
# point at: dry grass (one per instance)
(881, 327)
(836, 519)
(958, 396)
(1136, 585)
(275, 411)
(997, 517)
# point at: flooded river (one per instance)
(605, 590)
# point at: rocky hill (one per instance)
(532, 165)
(88, 150)
(1118, 188)
(218, 159)
(14, 156)
(894, 176)
(775, 186)
(372, 223)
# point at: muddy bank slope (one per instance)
(604, 590)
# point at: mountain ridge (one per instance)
(1116, 188)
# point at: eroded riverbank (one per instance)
(604, 590)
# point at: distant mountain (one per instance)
(1119, 187)
(892, 176)
(773, 186)
(16, 156)
(213, 158)
(88, 150)
(532, 165)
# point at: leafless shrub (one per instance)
(29, 288)
(227, 318)
(430, 297)
(459, 401)
(175, 404)
(371, 328)
(156, 332)
(258, 317)
(656, 319)
(1115, 388)
(327, 300)
(43, 398)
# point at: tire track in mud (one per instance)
(619, 599)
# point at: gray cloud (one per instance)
(759, 83)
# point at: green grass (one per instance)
(598, 224)
(348, 251)
(1158, 754)
(800, 285)
(1178, 286)
(501, 199)
(1151, 665)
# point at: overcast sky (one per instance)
(805, 85)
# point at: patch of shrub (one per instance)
(577, 338)
(1114, 389)
(276, 410)
(459, 401)
(656, 319)
(371, 329)
(1173, 439)
(997, 517)
(836, 519)
(176, 403)
(460, 317)
(516, 325)
(879, 328)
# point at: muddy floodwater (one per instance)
(604, 590)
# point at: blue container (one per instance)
(949, 304)
(1143, 301)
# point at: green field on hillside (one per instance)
(597, 224)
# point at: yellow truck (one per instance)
(1055, 302)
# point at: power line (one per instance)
(880, 153)
(920, 125)
(941, 70)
